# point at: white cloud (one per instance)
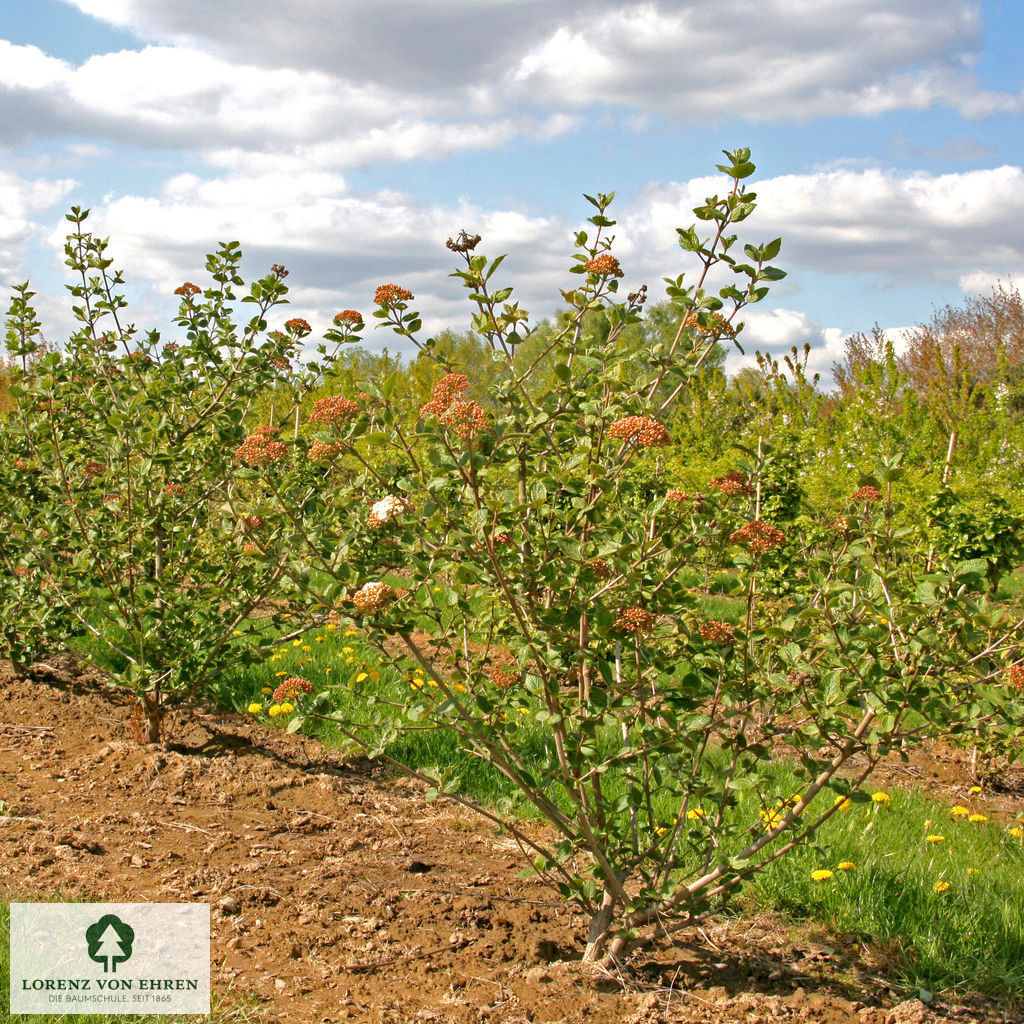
(338, 245)
(901, 228)
(982, 282)
(269, 77)
(20, 202)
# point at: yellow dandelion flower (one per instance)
(296, 643)
(351, 632)
(881, 798)
(940, 886)
(331, 627)
(254, 708)
(973, 871)
(236, 632)
(274, 710)
(266, 689)
(959, 811)
(843, 803)
(374, 674)
(846, 865)
(416, 684)
(523, 711)
(306, 647)
(328, 670)
(459, 688)
(1017, 832)
(934, 839)
(281, 673)
(978, 817)
(287, 708)
(320, 639)
(346, 650)
(696, 813)
(350, 661)
(822, 875)
(361, 677)
(770, 818)
(975, 789)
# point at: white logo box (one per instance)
(110, 958)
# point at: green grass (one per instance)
(950, 913)
(222, 1011)
(967, 936)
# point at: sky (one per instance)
(348, 139)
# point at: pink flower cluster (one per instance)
(298, 325)
(373, 597)
(634, 620)
(759, 536)
(386, 510)
(867, 494)
(640, 431)
(260, 448)
(717, 326)
(334, 409)
(606, 265)
(389, 294)
(716, 632)
(734, 482)
(293, 686)
(322, 452)
(187, 289)
(348, 316)
(465, 418)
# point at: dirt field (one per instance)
(339, 894)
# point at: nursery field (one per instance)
(339, 893)
(548, 676)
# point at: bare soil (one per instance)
(339, 894)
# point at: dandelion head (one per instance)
(822, 874)
(940, 886)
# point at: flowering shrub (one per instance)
(533, 594)
(129, 482)
(542, 596)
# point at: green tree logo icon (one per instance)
(110, 942)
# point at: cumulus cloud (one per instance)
(406, 80)
(20, 202)
(338, 245)
(901, 227)
(776, 60)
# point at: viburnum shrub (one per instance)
(132, 499)
(495, 545)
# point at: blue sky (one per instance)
(349, 140)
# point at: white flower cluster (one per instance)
(385, 510)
